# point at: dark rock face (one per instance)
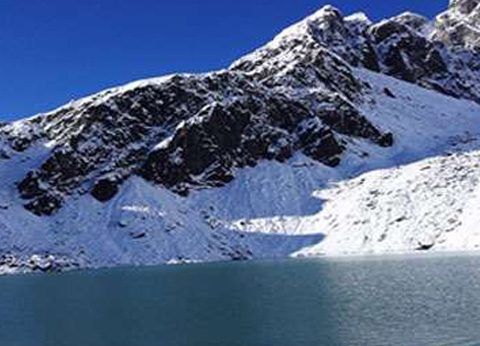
(105, 189)
(206, 150)
(46, 204)
(407, 55)
(296, 94)
(321, 145)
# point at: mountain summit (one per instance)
(339, 136)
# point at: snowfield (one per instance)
(421, 194)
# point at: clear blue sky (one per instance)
(52, 51)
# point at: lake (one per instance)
(401, 301)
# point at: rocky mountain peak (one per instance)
(328, 18)
(413, 20)
(325, 14)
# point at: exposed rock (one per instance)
(425, 247)
(45, 204)
(406, 54)
(105, 189)
(464, 6)
(460, 25)
(42, 263)
(414, 21)
(139, 235)
(388, 92)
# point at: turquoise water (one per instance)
(378, 301)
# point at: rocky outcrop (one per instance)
(460, 25)
(195, 131)
(206, 150)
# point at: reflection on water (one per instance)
(377, 301)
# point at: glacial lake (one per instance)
(398, 301)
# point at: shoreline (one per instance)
(26, 269)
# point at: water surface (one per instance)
(412, 301)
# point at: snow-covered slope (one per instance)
(315, 144)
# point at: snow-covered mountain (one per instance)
(341, 136)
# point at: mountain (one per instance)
(340, 136)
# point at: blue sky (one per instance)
(52, 51)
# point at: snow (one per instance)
(422, 193)
(358, 17)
